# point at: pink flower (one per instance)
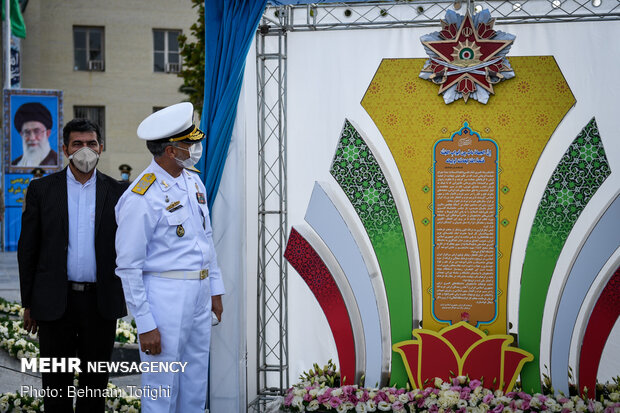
(335, 402)
(465, 393)
(524, 396)
(486, 399)
(498, 409)
(323, 398)
(398, 406)
(289, 398)
(474, 384)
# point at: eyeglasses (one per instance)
(36, 132)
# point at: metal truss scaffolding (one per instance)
(272, 320)
(272, 286)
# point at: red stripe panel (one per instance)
(601, 322)
(312, 269)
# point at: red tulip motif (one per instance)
(462, 350)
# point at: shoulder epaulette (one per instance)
(143, 184)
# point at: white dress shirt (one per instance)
(81, 201)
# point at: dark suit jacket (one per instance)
(44, 241)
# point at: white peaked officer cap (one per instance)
(171, 124)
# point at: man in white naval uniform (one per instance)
(167, 262)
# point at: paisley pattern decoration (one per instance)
(579, 174)
(358, 173)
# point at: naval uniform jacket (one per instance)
(163, 225)
(44, 241)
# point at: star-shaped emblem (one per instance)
(467, 57)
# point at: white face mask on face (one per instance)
(195, 153)
(84, 159)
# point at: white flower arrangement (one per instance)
(460, 395)
(14, 402)
(126, 333)
(19, 344)
(17, 341)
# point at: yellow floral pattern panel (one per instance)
(520, 118)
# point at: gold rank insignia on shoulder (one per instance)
(180, 231)
(174, 206)
(143, 184)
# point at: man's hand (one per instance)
(30, 324)
(217, 306)
(151, 341)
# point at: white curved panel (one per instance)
(598, 247)
(589, 217)
(345, 289)
(585, 312)
(336, 225)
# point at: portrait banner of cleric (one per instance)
(34, 123)
(167, 261)
(66, 256)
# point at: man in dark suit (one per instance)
(67, 260)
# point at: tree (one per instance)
(193, 54)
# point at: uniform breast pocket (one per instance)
(178, 221)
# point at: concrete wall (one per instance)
(128, 88)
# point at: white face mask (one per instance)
(195, 153)
(84, 159)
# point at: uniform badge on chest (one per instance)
(200, 196)
(180, 230)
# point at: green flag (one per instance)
(18, 27)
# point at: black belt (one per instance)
(81, 287)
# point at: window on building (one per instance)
(95, 114)
(166, 57)
(88, 48)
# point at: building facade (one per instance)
(116, 61)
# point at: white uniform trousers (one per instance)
(182, 312)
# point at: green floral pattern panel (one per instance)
(579, 174)
(359, 174)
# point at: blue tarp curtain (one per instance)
(229, 28)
